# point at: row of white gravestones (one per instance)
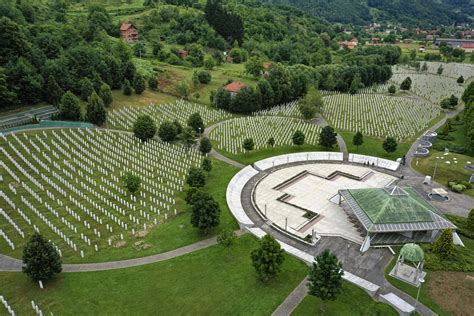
(9, 309)
(48, 223)
(179, 111)
(7, 239)
(12, 222)
(36, 308)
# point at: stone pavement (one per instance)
(293, 300)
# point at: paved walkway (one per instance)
(293, 300)
(14, 265)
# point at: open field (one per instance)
(372, 146)
(73, 194)
(213, 281)
(379, 115)
(172, 75)
(344, 304)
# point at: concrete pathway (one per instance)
(293, 300)
(14, 265)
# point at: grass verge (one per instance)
(213, 281)
(372, 146)
(352, 301)
(256, 155)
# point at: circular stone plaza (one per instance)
(316, 200)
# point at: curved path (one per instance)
(14, 265)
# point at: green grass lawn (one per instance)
(459, 139)
(372, 146)
(444, 171)
(256, 155)
(213, 281)
(352, 301)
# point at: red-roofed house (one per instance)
(129, 32)
(468, 48)
(349, 44)
(234, 87)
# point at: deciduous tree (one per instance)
(144, 128)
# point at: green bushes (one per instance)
(459, 186)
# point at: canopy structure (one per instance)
(394, 215)
(393, 210)
(412, 252)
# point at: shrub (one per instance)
(196, 178)
(132, 182)
(444, 246)
(204, 76)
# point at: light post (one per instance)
(421, 280)
(436, 166)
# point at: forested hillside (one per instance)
(52, 47)
(409, 12)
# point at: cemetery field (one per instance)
(67, 184)
(230, 135)
(178, 110)
(373, 146)
(454, 170)
(212, 281)
(352, 301)
(379, 115)
(431, 87)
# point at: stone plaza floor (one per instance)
(312, 190)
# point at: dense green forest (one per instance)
(51, 47)
(424, 13)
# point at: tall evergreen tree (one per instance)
(53, 91)
(69, 108)
(327, 138)
(40, 258)
(268, 258)
(325, 277)
(358, 139)
(95, 110)
(106, 94)
(139, 84)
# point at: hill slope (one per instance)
(409, 12)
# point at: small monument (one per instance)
(409, 266)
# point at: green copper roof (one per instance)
(392, 206)
(412, 252)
